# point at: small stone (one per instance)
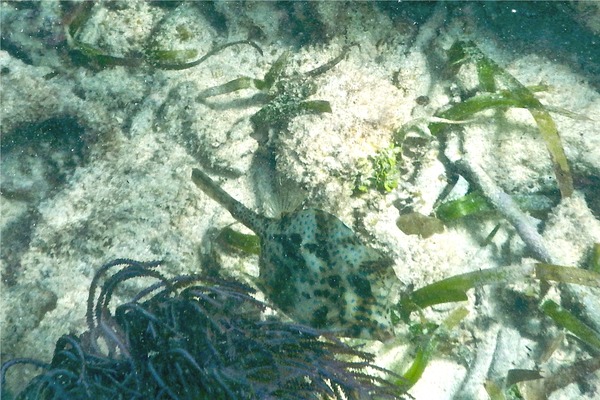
(419, 224)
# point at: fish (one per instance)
(316, 270)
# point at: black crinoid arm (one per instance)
(193, 337)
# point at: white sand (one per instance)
(134, 197)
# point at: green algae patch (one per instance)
(381, 172)
(472, 203)
(249, 244)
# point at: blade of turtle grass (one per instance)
(475, 203)
(570, 322)
(560, 164)
(516, 96)
(562, 274)
(416, 369)
(171, 57)
(523, 223)
(595, 259)
(455, 288)
(315, 106)
(522, 99)
(427, 348)
(273, 73)
(237, 84)
(168, 65)
(472, 203)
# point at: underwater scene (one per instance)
(300, 200)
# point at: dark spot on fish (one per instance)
(361, 286)
(319, 319)
(334, 281)
(321, 293)
(312, 247)
(290, 246)
(355, 330)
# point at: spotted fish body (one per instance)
(316, 270)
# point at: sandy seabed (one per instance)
(96, 159)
